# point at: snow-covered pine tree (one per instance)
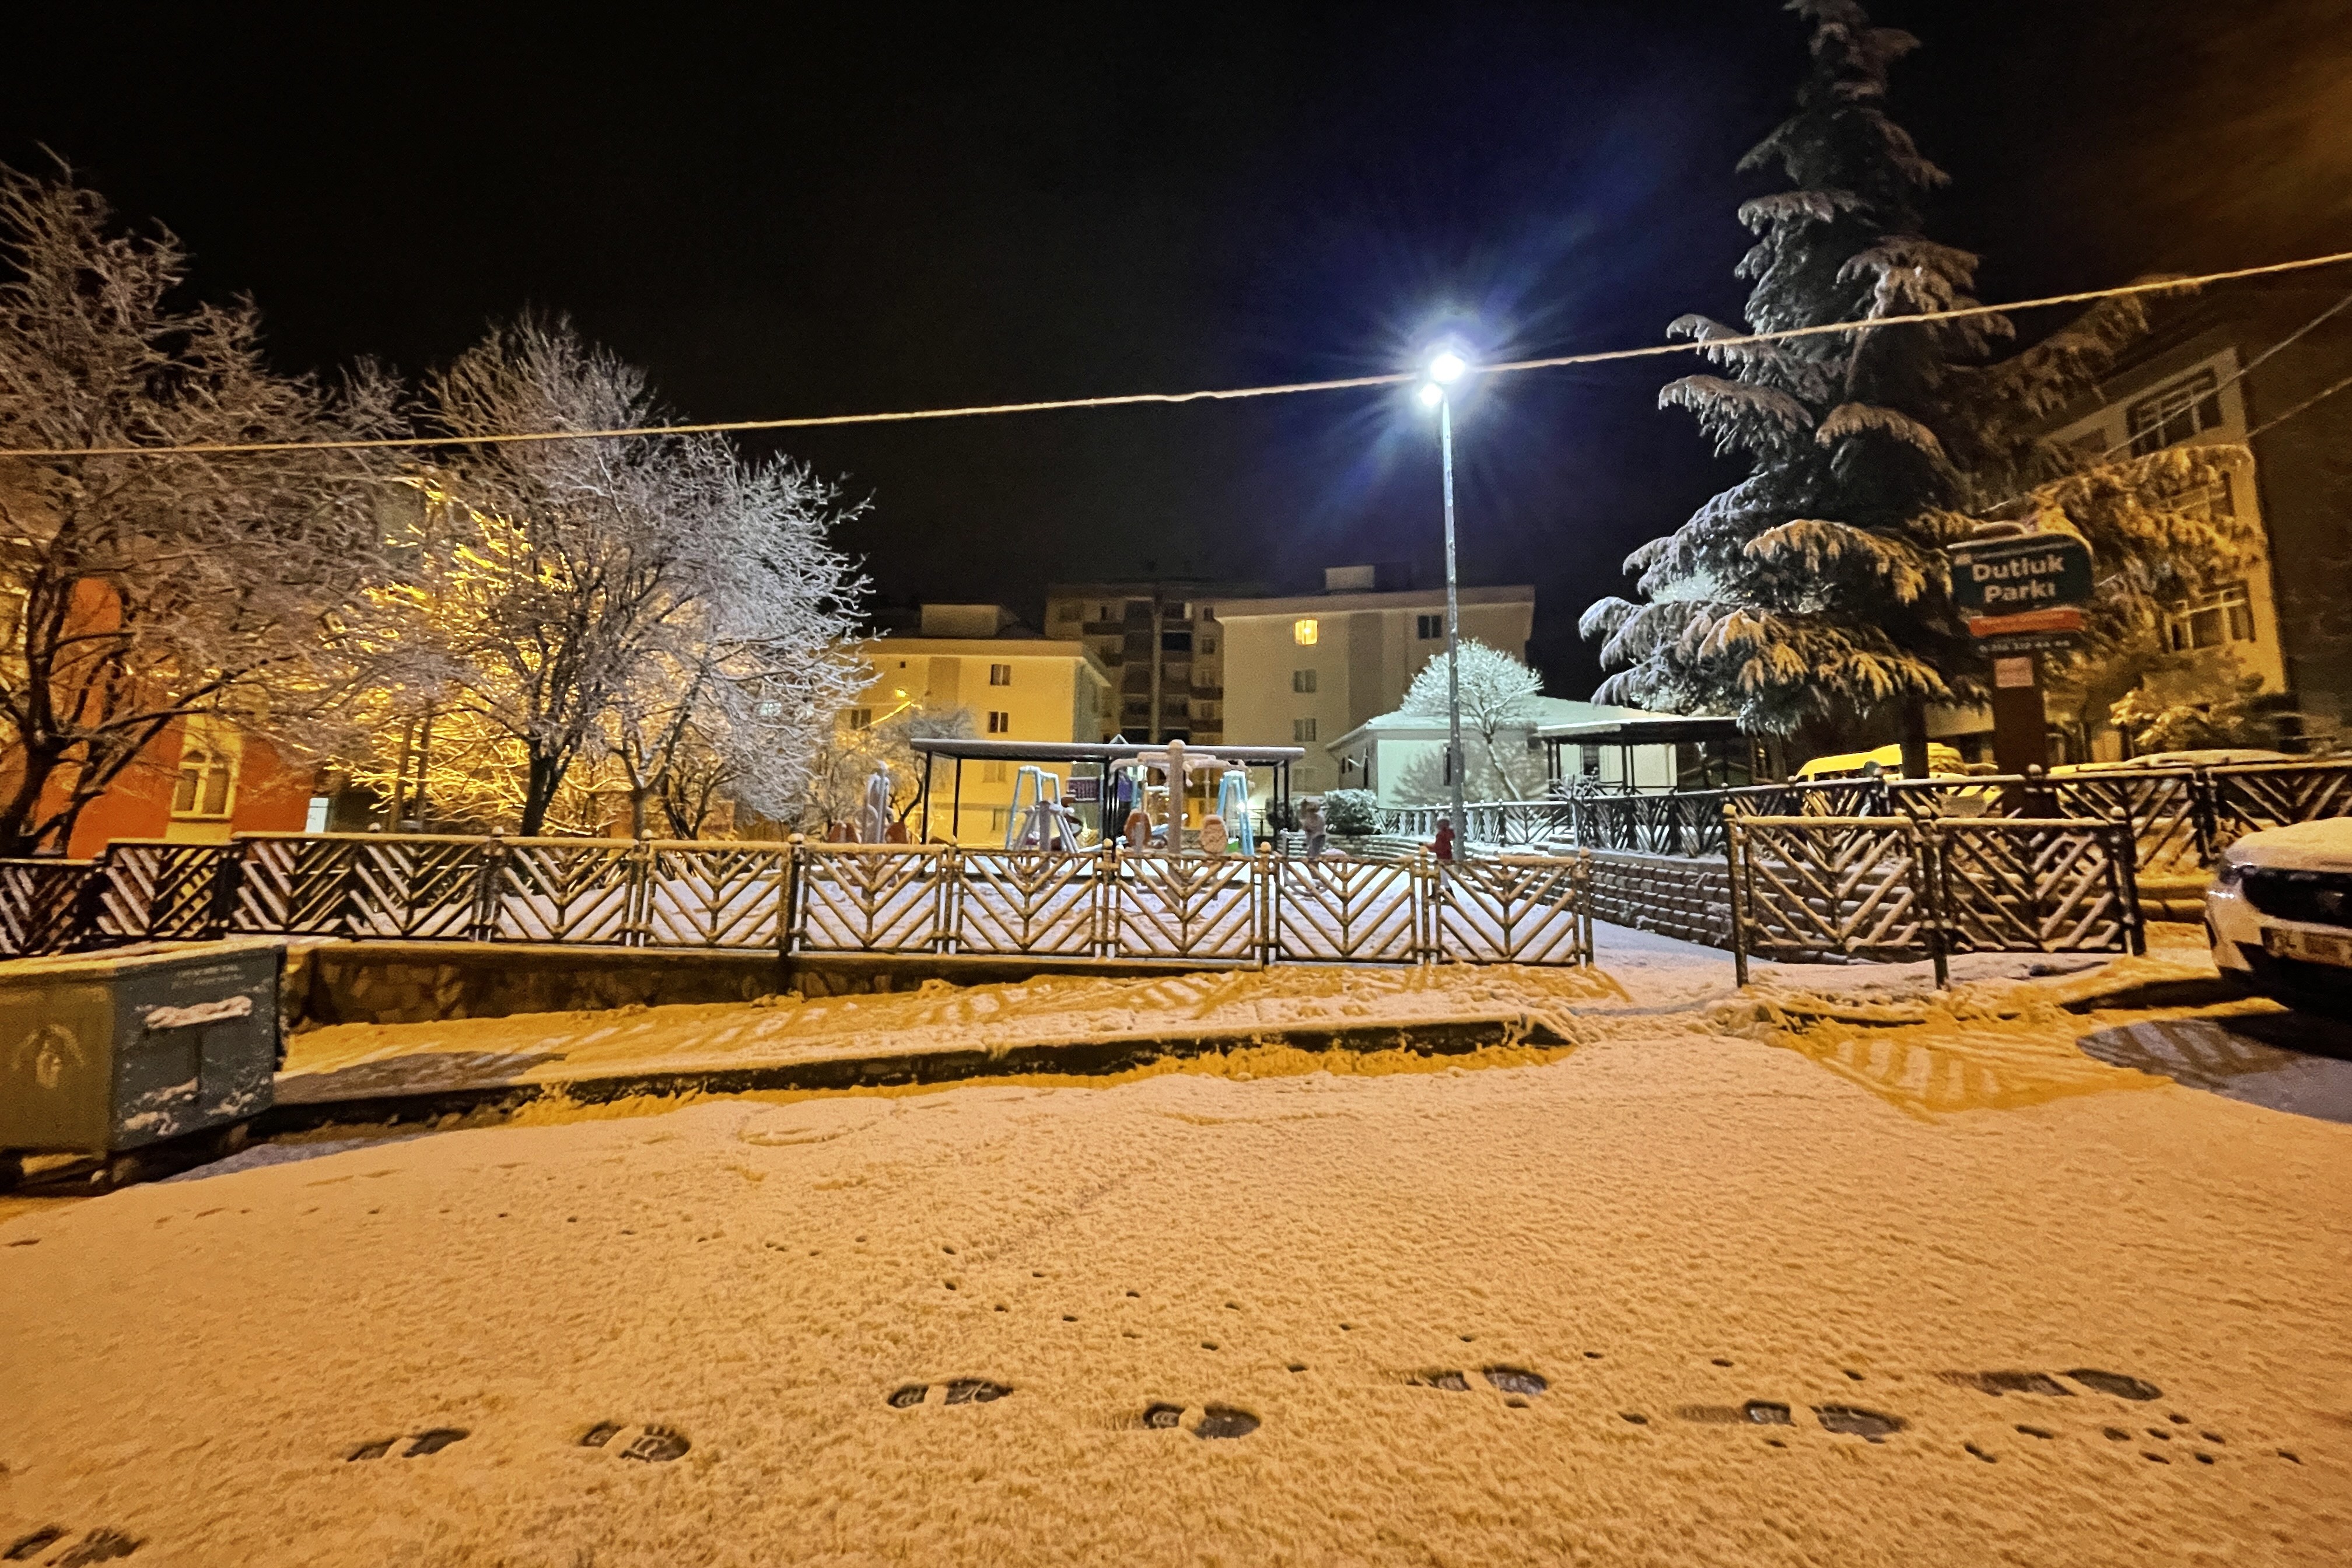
(1814, 590)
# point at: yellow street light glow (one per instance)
(1430, 393)
(1447, 368)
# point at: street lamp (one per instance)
(1445, 368)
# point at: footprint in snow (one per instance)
(1517, 1382)
(654, 1444)
(962, 1391)
(99, 1545)
(1755, 1413)
(432, 1440)
(1871, 1426)
(1216, 1420)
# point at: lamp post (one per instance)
(1445, 368)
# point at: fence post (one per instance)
(1269, 904)
(638, 892)
(1731, 853)
(2125, 856)
(1583, 885)
(1927, 855)
(228, 877)
(788, 895)
(2205, 815)
(486, 887)
(1106, 899)
(950, 869)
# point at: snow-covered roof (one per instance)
(1549, 713)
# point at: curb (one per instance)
(1435, 1038)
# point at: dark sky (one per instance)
(934, 207)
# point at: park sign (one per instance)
(1996, 578)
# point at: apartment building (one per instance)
(1016, 686)
(2205, 375)
(1161, 642)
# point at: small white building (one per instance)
(1400, 757)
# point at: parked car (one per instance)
(2279, 914)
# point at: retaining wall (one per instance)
(1690, 898)
(418, 981)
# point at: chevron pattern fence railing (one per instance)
(1900, 888)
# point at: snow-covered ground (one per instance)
(2017, 1304)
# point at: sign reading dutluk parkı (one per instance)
(2021, 572)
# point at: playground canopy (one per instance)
(1086, 789)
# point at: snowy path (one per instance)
(1638, 973)
(1682, 1230)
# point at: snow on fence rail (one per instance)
(808, 898)
(2182, 818)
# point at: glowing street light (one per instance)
(1446, 367)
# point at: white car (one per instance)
(2279, 913)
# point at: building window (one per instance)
(1302, 680)
(998, 815)
(1429, 628)
(2225, 616)
(2174, 413)
(999, 675)
(203, 789)
(999, 723)
(1589, 761)
(1302, 730)
(861, 717)
(1208, 644)
(1175, 642)
(995, 772)
(1305, 632)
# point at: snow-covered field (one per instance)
(1822, 1274)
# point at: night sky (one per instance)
(828, 213)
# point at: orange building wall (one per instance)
(138, 806)
(270, 797)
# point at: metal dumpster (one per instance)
(106, 1053)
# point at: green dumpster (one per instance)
(107, 1053)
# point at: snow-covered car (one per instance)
(2279, 913)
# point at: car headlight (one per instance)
(2229, 873)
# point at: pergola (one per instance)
(1101, 757)
(1718, 737)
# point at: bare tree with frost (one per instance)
(1814, 591)
(631, 602)
(1499, 696)
(738, 701)
(139, 591)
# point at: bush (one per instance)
(1351, 811)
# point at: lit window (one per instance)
(2225, 616)
(999, 675)
(1429, 628)
(2174, 413)
(1305, 632)
(203, 789)
(1302, 730)
(861, 717)
(999, 723)
(1302, 680)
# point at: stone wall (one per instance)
(419, 982)
(1690, 898)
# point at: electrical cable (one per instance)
(1394, 378)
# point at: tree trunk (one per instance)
(640, 810)
(539, 794)
(1915, 737)
(20, 822)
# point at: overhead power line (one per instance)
(1216, 395)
